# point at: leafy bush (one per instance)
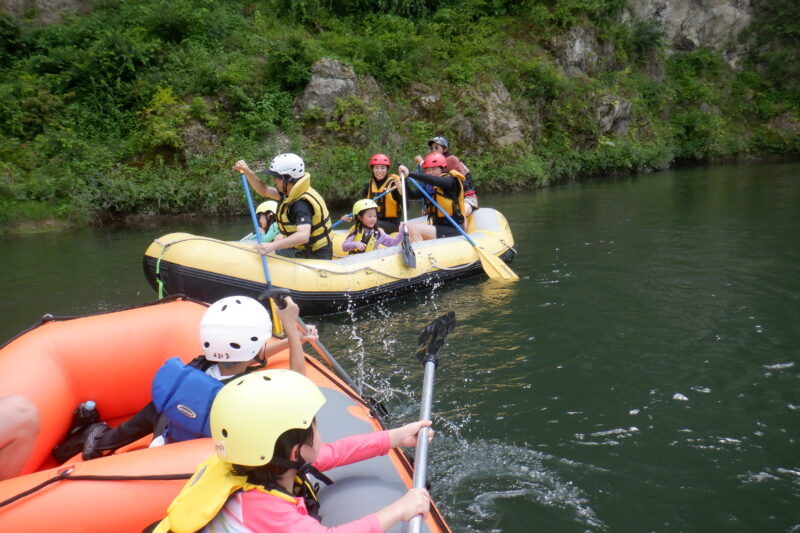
(94, 112)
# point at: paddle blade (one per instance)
(494, 267)
(432, 338)
(409, 259)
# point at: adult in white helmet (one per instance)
(303, 218)
(270, 451)
(233, 335)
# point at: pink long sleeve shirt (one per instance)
(254, 511)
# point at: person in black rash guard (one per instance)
(448, 191)
(302, 217)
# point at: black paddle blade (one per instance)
(277, 294)
(409, 259)
(432, 338)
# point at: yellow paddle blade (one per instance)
(277, 326)
(494, 267)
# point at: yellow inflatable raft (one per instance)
(210, 269)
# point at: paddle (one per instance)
(409, 259)
(381, 195)
(494, 267)
(277, 327)
(430, 341)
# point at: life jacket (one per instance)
(320, 220)
(184, 394)
(453, 205)
(370, 239)
(206, 493)
(388, 208)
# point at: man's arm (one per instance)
(255, 182)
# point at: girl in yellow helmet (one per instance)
(365, 235)
(267, 220)
(265, 436)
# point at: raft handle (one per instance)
(65, 474)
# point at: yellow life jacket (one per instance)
(204, 495)
(370, 242)
(320, 221)
(387, 206)
(454, 205)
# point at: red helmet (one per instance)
(434, 159)
(379, 159)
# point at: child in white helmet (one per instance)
(365, 235)
(233, 334)
(257, 479)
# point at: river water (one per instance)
(644, 374)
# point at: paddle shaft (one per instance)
(421, 456)
(381, 195)
(330, 359)
(255, 227)
(409, 258)
(431, 200)
(492, 265)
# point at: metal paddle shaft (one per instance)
(430, 341)
(330, 359)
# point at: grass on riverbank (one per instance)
(141, 107)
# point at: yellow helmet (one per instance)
(361, 205)
(269, 205)
(251, 412)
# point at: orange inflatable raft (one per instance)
(111, 358)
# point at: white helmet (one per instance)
(289, 166)
(234, 329)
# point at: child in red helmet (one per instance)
(389, 203)
(448, 191)
(441, 145)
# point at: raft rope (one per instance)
(67, 475)
(158, 271)
(433, 263)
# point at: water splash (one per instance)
(487, 480)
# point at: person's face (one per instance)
(262, 220)
(437, 148)
(434, 171)
(368, 218)
(283, 187)
(379, 171)
(310, 452)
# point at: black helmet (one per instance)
(441, 141)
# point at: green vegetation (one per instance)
(142, 106)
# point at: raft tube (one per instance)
(111, 358)
(209, 269)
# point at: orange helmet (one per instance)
(379, 159)
(434, 159)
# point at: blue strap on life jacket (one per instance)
(184, 395)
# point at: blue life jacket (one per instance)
(184, 394)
